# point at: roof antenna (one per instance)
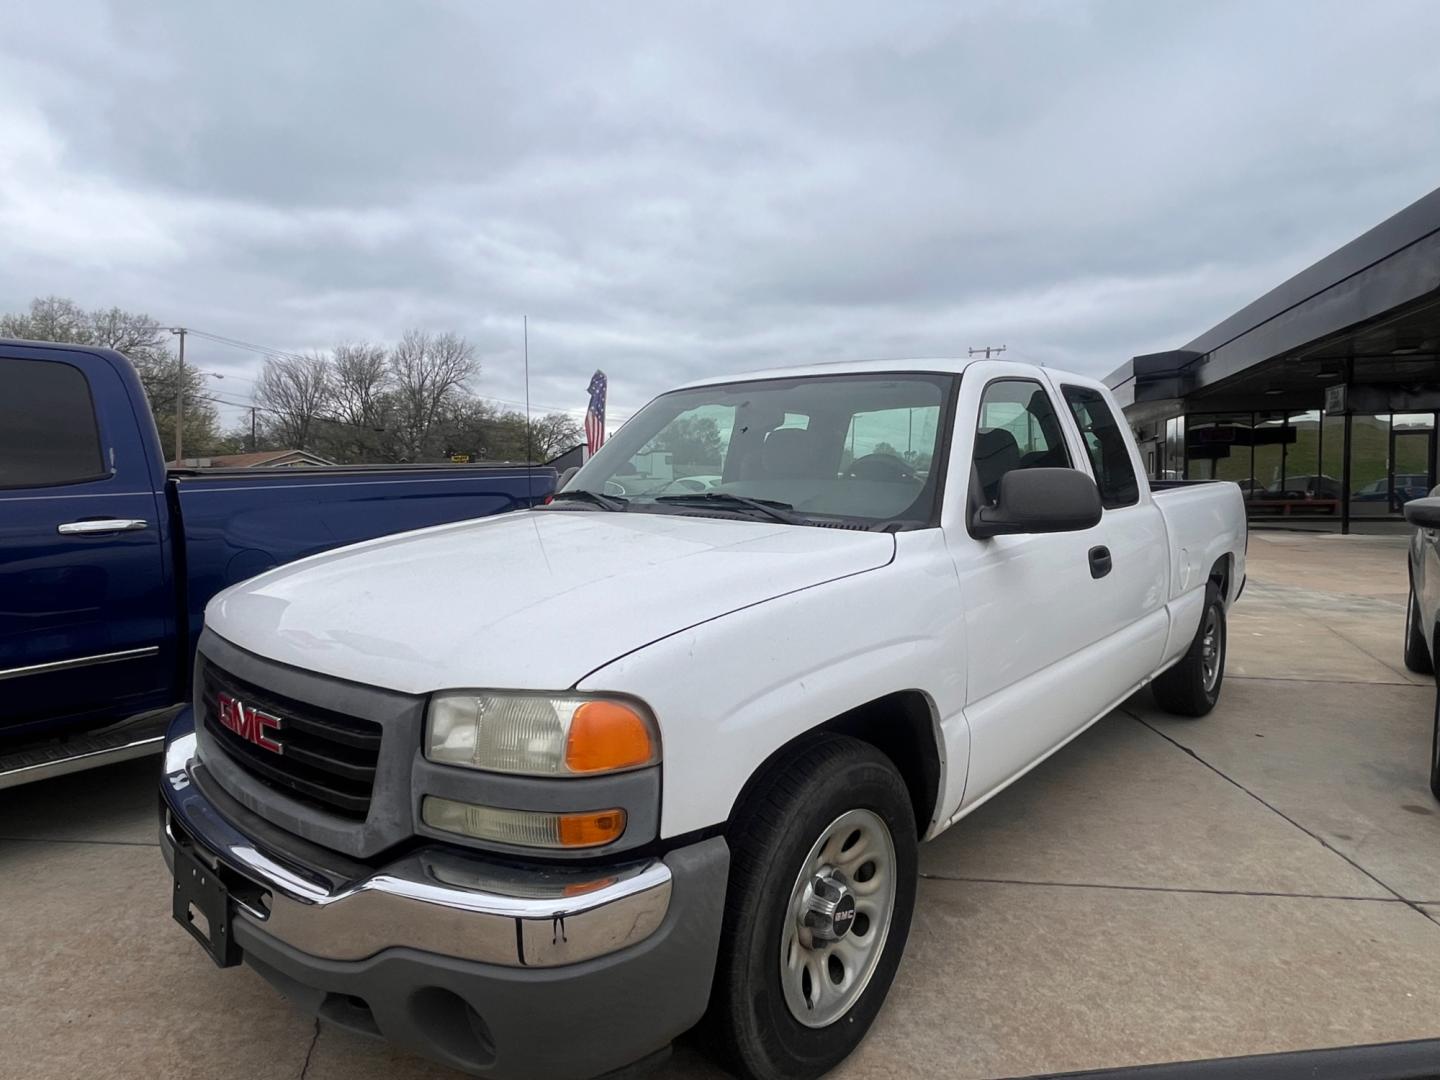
(988, 350)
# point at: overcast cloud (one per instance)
(677, 189)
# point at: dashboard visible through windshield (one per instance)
(812, 450)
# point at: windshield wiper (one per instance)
(770, 508)
(604, 502)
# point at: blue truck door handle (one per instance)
(99, 526)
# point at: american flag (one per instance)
(595, 414)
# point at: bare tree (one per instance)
(50, 318)
(129, 332)
(360, 375)
(429, 372)
(361, 401)
(294, 391)
(476, 427)
(147, 345)
(553, 434)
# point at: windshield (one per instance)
(855, 447)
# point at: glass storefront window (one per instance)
(1218, 448)
(1293, 465)
(1412, 452)
(1270, 435)
(1370, 466)
(1304, 489)
(1332, 455)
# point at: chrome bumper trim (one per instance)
(436, 900)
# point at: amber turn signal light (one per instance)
(608, 735)
(524, 828)
(592, 829)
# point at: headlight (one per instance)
(539, 734)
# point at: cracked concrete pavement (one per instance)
(1263, 879)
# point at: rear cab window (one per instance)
(1106, 446)
(48, 432)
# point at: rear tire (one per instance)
(1417, 653)
(789, 1002)
(1192, 687)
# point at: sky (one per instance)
(671, 190)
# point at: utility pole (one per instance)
(987, 350)
(180, 398)
(252, 429)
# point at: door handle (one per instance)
(1100, 563)
(100, 526)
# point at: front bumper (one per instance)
(499, 970)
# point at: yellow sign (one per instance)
(460, 459)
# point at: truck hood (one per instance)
(527, 601)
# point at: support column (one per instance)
(1345, 479)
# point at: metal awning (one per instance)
(1367, 315)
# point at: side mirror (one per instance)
(1423, 513)
(1039, 501)
(565, 477)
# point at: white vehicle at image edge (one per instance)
(532, 795)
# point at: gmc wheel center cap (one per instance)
(828, 910)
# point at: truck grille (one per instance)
(320, 757)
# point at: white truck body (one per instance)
(741, 635)
(724, 629)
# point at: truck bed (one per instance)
(1204, 521)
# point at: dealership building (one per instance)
(1320, 398)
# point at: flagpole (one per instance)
(529, 451)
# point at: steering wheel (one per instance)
(612, 488)
(879, 467)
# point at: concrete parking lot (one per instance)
(1265, 879)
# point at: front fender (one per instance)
(730, 692)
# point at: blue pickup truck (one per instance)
(107, 560)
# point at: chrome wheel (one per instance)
(838, 917)
(1212, 650)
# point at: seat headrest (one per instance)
(996, 453)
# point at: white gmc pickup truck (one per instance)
(532, 795)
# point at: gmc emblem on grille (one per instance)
(250, 723)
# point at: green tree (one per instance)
(475, 427)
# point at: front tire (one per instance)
(1192, 687)
(822, 889)
(1417, 653)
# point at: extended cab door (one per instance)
(1035, 611)
(1137, 586)
(85, 604)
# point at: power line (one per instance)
(247, 346)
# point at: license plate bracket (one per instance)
(198, 889)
